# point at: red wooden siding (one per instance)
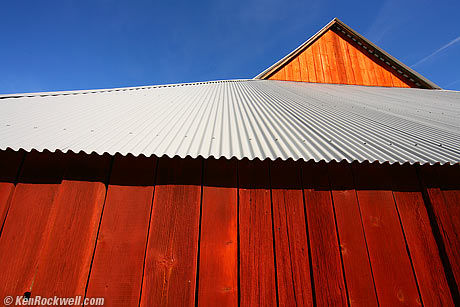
(218, 274)
(324, 243)
(335, 58)
(257, 255)
(71, 232)
(291, 239)
(391, 265)
(118, 263)
(25, 228)
(353, 245)
(184, 232)
(172, 249)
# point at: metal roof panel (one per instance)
(262, 119)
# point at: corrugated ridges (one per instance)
(254, 119)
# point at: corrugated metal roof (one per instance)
(262, 119)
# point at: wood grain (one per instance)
(25, 228)
(353, 246)
(319, 70)
(303, 66)
(347, 62)
(335, 58)
(323, 54)
(218, 278)
(340, 58)
(291, 242)
(326, 261)
(296, 69)
(66, 257)
(172, 249)
(329, 50)
(425, 256)
(289, 71)
(117, 268)
(393, 275)
(257, 264)
(442, 187)
(355, 64)
(308, 54)
(450, 187)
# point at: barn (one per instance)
(331, 178)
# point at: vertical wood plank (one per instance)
(172, 248)
(386, 75)
(292, 256)
(356, 65)
(257, 264)
(379, 72)
(319, 71)
(358, 272)
(218, 278)
(23, 235)
(118, 263)
(369, 66)
(327, 266)
(348, 64)
(394, 279)
(340, 58)
(324, 60)
(10, 162)
(425, 256)
(66, 257)
(331, 55)
(336, 58)
(303, 67)
(368, 78)
(289, 72)
(295, 63)
(310, 64)
(450, 187)
(441, 186)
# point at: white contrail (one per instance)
(452, 83)
(437, 51)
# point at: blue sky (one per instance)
(79, 44)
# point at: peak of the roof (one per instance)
(117, 89)
(341, 48)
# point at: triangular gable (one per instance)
(337, 54)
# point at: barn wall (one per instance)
(189, 232)
(335, 58)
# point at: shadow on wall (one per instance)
(48, 167)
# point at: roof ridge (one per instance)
(116, 89)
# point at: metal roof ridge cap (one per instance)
(93, 91)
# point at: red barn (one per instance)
(332, 178)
